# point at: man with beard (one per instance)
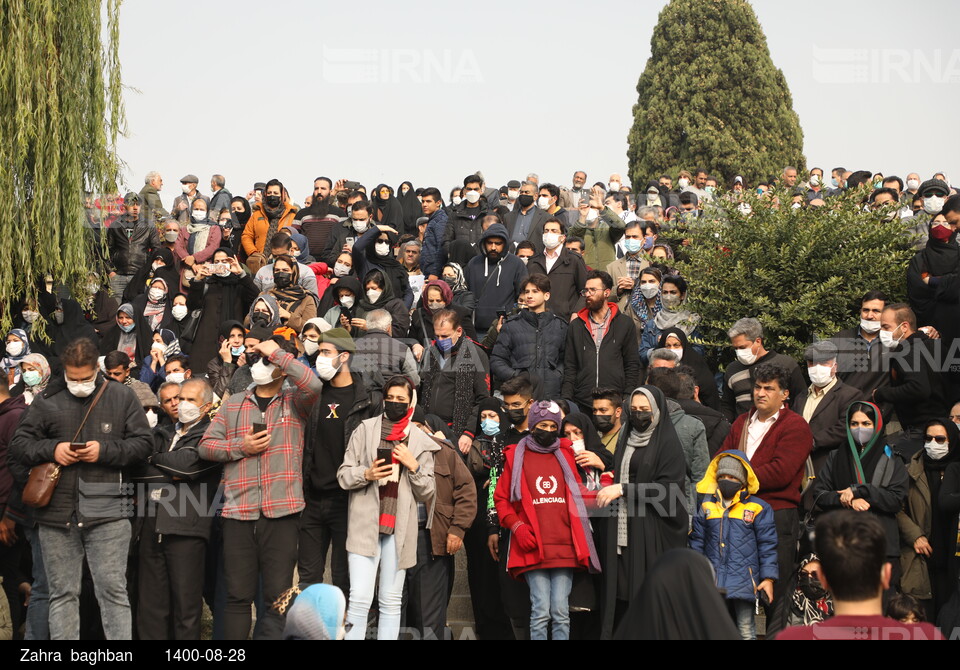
(495, 278)
(267, 219)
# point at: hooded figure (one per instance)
(421, 322)
(494, 278)
(678, 602)
(865, 475)
(387, 211)
(411, 207)
(369, 255)
(736, 531)
(272, 321)
(345, 310)
(14, 353)
(168, 270)
(928, 514)
(648, 452)
(304, 245)
(689, 356)
(400, 316)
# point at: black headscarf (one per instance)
(241, 218)
(386, 294)
(387, 212)
(411, 207)
(953, 455)
(692, 358)
(591, 438)
(679, 600)
(844, 467)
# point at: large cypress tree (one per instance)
(710, 96)
(60, 114)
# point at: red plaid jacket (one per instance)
(270, 483)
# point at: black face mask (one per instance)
(260, 319)
(603, 422)
(544, 438)
(728, 488)
(242, 217)
(450, 281)
(524, 201)
(395, 410)
(811, 587)
(282, 279)
(252, 358)
(640, 421)
(517, 416)
(272, 201)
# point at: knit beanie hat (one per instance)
(544, 410)
(733, 467)
(339, 338)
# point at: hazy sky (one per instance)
(432, 91)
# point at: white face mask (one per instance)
(187, 412)
(579, 446)
(933, 204)
(262, 374)
(869, 326)
(156, 294)
(179, 311)
(152, 419)
(649, 290)
(678, 353)
(176, 377)
(814, 181)
(199, 214)
(185, 188)
(683, 182)
(887, 339)
(170, 236)
(543, 202)
(936, 451)
(524, 259)
(156, 265)
(347, 301)
(326, 370)
(382, 248)
(592, 215)
(513, 194)
(341, 270)
(613, 186)
(360, 226)
(473, 197)
(653, 198)
(373, 295)
(913, 184)
(158, 346)
(457, 200)
(746, 356)
(310, 347)
(81, 389)
(551, 240)
(820, 375)
(14, 348)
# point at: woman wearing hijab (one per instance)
(126, 337)
(296, 305)
(436, 296)
(302, 249)
(229, 237)
(342, 267)
(161, 263)
(550, 529)
(676, 341)
(165, 345)
(346, 300)
(932, 280)
(34, 376)
(452, 273)
(221, 367)
(378, 294)
(98, 306)
(592, 457)
(388, 469)
(17, 346)
(866, 476)
(387, 210)
(678, 601)
(411, 207)
(648, 453)
(928, 529)
(673, 293)
(645, 303)
(222, 291)
(374, 250)
(264, 312)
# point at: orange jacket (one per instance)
(255, 233)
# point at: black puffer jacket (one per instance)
(94, 492)
(187, 484)
(464, 223)
(532, 343)
(130, 241)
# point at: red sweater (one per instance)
(780, 458)
(550, 509)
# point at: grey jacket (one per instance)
(363, 527)
(693, 439)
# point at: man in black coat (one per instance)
(688, 397)
(566, 270)
(87, 516)
(526, 220)
(178, 506)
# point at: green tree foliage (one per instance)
(801, 272)
(61, 111)
(711, 97)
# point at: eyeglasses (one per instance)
(939, 439)
(591, 291)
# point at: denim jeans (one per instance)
(105, 546)
(549, 602)
(38, 613)
(363, 578)
(743, 617)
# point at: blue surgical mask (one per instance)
(490, 427)
(648, 242)
(236, 351)
(444, 344)
(632, 246)
(127, 328)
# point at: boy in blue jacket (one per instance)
(736, 531)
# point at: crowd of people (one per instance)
(247, 388)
